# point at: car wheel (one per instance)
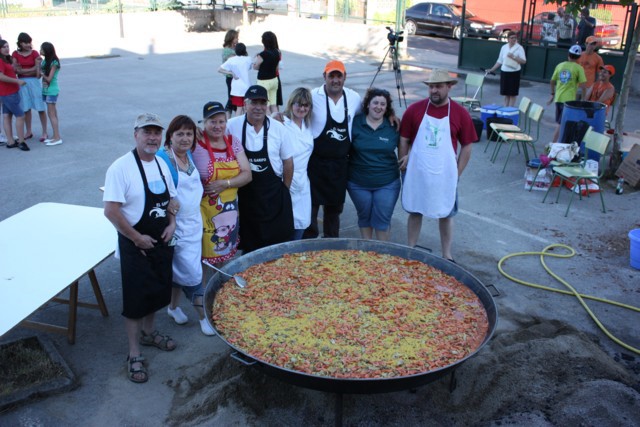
(457, 31)
(410, 27)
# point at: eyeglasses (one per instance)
(301, 105)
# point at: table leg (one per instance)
(73, 311)
(98, 293)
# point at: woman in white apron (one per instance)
(187, 268)
(297, 120)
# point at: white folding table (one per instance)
(44, 250)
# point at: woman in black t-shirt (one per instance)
(266, 62)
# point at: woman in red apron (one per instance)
(223, 168)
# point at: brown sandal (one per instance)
(163, 344)
(137, 375)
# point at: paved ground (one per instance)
(175, 75)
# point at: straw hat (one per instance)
(439, 75)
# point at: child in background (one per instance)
(239, 66)
(50, 90)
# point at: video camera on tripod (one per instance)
(393, 37)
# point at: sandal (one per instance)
(137, 375)
(163, 344)
(14, 145)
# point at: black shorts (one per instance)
(509, 83)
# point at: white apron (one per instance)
(430, 184)
(187, 268)
(300, 187)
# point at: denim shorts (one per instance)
(190, 291)
(11, 104)
(374, 205)
(50, 99)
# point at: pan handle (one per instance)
(245, 360)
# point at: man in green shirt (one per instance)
(566, 78)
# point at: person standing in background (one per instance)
(266, 62)
(586, 27)
(228, 50)
(565, 25)
(239, 67)
(26, 62)
(50, 89)
(510, 61)
(10, 99)
(591, 62)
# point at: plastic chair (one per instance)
(578, 174)
(526, 139)
(607, 122)
(470, 103)
(525, 104)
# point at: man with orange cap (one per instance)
(334, 107)
(591, 62)
(603, 91)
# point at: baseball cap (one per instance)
(575, 50)
(211, 108)
(334, 66)
(147, 119)
(256, 92)
(591, 39)
(610, 68)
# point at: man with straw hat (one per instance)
(429, 135)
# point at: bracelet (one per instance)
(228, 183)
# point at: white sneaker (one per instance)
(206, 328)
(51, 142)
(177, 315)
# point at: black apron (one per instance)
(328, 164)
(146, 280)
(266, 213)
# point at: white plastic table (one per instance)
(43, 251)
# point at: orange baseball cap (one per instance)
(334, 66)
(610, 68)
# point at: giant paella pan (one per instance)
(223, 299)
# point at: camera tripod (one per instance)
(392, 53)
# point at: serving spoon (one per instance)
(239, 280)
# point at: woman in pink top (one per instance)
(26, 62)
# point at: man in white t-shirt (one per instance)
(137, 194)
(264, 204)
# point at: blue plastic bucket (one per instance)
(510, 113)
(634, 253)
(487, 111)
(593, 113)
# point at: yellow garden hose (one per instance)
(571, 252)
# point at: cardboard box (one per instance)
(630, 167)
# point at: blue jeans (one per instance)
(374, 205)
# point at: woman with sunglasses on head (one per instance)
(297, 118)
(374, 176)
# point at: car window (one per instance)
(421, 7)
(440, 10)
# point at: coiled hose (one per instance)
(581, 297)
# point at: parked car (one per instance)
(608, 34)
(444, 19)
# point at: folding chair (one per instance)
(472, 80)
(517, 138)
(523, 120)
(578, 174)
